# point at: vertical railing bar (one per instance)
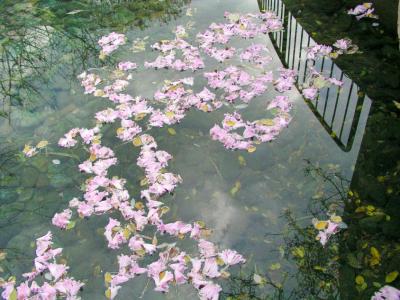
(337, 100)
(322, 66)
(328, 91)
(301, 45)
(294, 48)
(283, 23)
(345, 112)
(289, 42)
(305, 68)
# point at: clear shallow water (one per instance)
(271, 179)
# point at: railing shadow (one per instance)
(337, 108)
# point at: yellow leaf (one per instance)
(169, 114)
(171, 131)
(140, 252)
(360, 280)
(204, 107)
(230, 123)
(298, 252)
(391, 276)
(126, 233)
(164, 210)
(13, 295)
(131, 227)
(102, 55)
(137, 141)
(107, 277)
(266, 122)
(42, 144)
(108, 293)
(241, 160)
(154, 241)
(336, 219)
(187, 259)
(162, 275)
(99, 93)
(140, 116)
(375, 253)
(275, 266)
(120, 130)
(27, 148)
(220, 262)
(96, 139)
(92, 157)
(235, 188)
(320, 225)
(144, 181)
(251, 149)
(139, 205)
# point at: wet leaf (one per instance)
(266, 122)
(353, 261)
(320, 225)
(242, 161)
(137, 141)
(108, 293)
(139, 205)
(391, 276)
(107, 277)
(13, 295)
(70, 225)
(251, 149)
(298, 252)
(126, 233)
(359, 280)
(171, 131)
(275, 266)
(259, 279)
(235, 188)
(42, 144)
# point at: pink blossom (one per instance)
(210, 291)
(231, 257)
(61, 220)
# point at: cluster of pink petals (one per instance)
(238, 84)
(364, 10)
(89, 82)
(341, 46)
(255, 132)
(318, 50)
(332, 227)
(286, 80)
(127, 65)
(387, 293)
(244, 26)
(58, 284)
(315, 82)
(190, 60)
(254, 55)
(111, 42)
(62, 219)
(177, 100)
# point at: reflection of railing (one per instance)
(338, 109)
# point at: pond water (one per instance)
(241, 196)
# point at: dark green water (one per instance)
(45, 44)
